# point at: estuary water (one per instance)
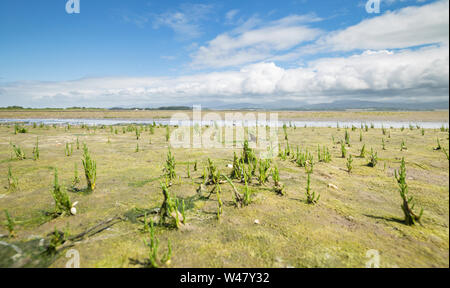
(221, 123)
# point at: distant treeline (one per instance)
(69, 108)
(91, 108)
(160, 108)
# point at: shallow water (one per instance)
(307, 123)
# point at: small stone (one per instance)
(257, 222)
(73, 211)
(332, 186)
(230, 166)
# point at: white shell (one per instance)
(73, 211)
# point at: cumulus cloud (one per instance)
(185, 21)
(359, 76)
(401, 55)
(251, 42)
(407, 27)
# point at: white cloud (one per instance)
(185, 20)
(229, 16)
(407, 27)
(251, 42)
(409, 74)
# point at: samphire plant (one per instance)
(311, 197)
(90, 169)
(438, 147)
(169, 207)
(403, 146)
(13, 182)
(343, 150)
(278, 187)
(36, 154)
(323, 155)
(264, 167)
(63, 205)
(408, 202)
(20, 155)
(154, 260)
(349, 164)
(373, 158)
(76, 178)
(10, 224)
(69, 149)
(363, 152)
(170, 166)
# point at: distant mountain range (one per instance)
(333, 106)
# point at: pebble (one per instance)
(257, 222)
(333, 186)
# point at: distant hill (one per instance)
(336, 106)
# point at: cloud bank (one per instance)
(398, 56)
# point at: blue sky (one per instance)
(148, 47)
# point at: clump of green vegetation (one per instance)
(213, 177)
(69, 149)
(347, 138)
(349, 164)
(57, 239)
(285, 132)
(13, 182)
(383, 144)
(423, 132)
(36, 150)
(439, 147)
(373, 158)
(407, 206)
(169, 207)
(170, 166)
(446, 153)
(137, 148)
(247, 200)
(78, 144)
(311, 198)
(363, 152)
(19, 129)
(10, 225)
(76, 178)
(383, 130)
(323, 155)
(247, 153)
(343, 150)
(403, 146)
(236, 173)
(154, 261)
(63, 205)
(278, 187)
(264, 166)
(167, 133)
(90, 169)
(20, 154)
(303, 158)
(138, 134)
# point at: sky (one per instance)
(139, 53)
